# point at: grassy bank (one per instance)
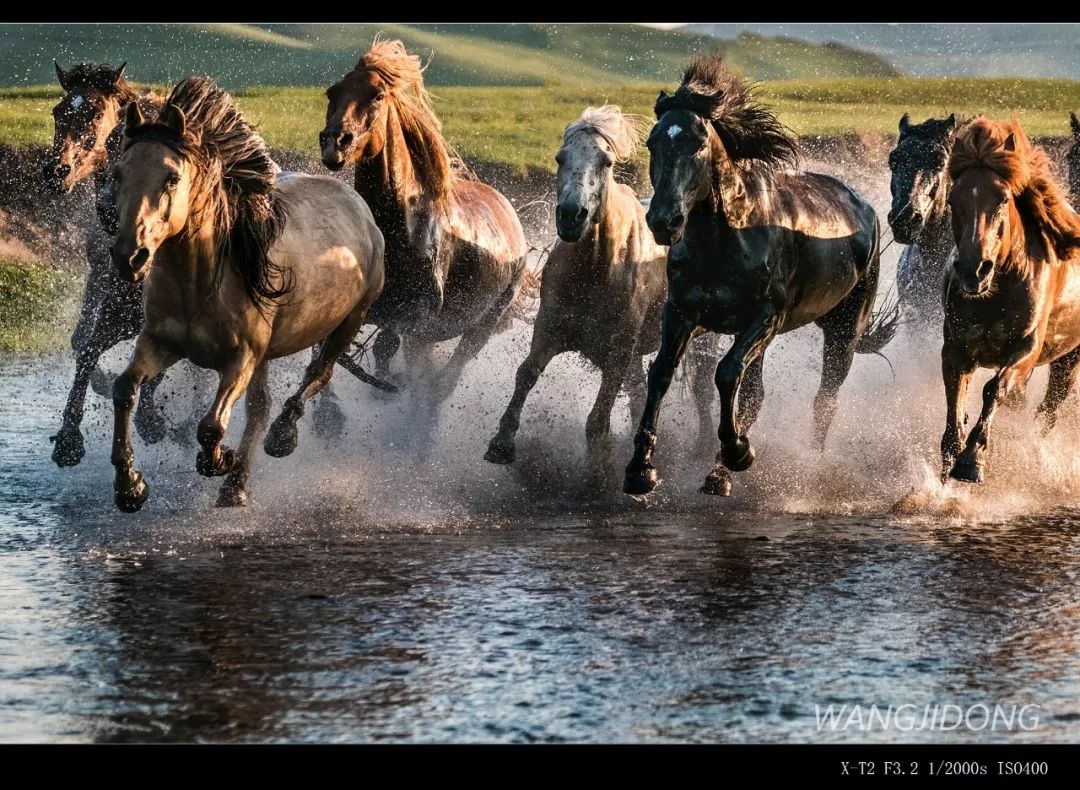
(36, 306)
(521, 126)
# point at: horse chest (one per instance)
(719, 304)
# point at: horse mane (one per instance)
(750, 132)
(1028, 174)
(101, 77)
(437, 164)
(624, 132)
(235, 185)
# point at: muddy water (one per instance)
(391, 585)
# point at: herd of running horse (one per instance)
(208, 252)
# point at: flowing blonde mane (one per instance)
(624, 132)
(1027, 173)
(438, 166)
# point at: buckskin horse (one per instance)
(242, 264)
(755, 250)
(603, 284)
(455, 249)
(1011, 294)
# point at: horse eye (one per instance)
(172, 181)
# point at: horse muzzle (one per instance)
(667, 229)
(132, 266)
(571, 221)
(335, 149)
(57, 178)
(905, 226)
(975, 280)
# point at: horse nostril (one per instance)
(345, 139)
(582, 214)
(984, 269)
(675, 221)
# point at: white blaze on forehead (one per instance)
(77, 102)
(674, 130)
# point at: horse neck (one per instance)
(388, 182)
(187, 265)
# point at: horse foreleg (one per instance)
(598, 423)
(129, 487)
(68, 446)
(282, 437)
(956, 370)
(149, 421)
(736, 453)
(215, 459)
(675, 333)
(328, 419)
(1063, 372)
(970, 464)
(257, 413)
(541, 351)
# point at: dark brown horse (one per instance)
(1072, 160)
(755, 251)
(1012, 295)
(455, 250)
(88, 126)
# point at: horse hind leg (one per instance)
(233, 491)
(282, 437)
(149, 421)
(328, 418)
(1063, 373)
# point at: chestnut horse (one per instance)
(756, 250)
(242, 264)
(455, 250)
(604, 282)
(1012, 294)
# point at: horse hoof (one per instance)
(968, 472)
(205, 467)
(150, 425)
(329, 419)
(498, 453)
(131, 498)
(68, 447)
(739, 456)
(281, 439)
(718, 483)
(640, 481)
(232, 496)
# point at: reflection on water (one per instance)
(307, 619)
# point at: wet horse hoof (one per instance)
(281, 439)
(329, 419)
(499, 453)
(968, 471)
(232, 496)
(739, 456)
(718, 483)
(133, 496)
(68, 447)
(150, 425)
(205, 467)
(640, 481)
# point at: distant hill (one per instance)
(241, 55)
(941, 49)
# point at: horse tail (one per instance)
(529, 291)
(885, 322)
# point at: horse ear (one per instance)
(119, 73)
(133, 117)
(1074, 122)
(1010, 142)
(663, 95)
(173, 117)
(61, 75)
(950, 122)
(905, 123)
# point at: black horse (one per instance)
(919, 216)
(1072, 159)
(755, 251)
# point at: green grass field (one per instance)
(37, 307)
(522, 126)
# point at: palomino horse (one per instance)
(755, 251)
(604, 282)
(1012, 295)
(86, 142)
(919, 216)
(242, 264)
(455, 250)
